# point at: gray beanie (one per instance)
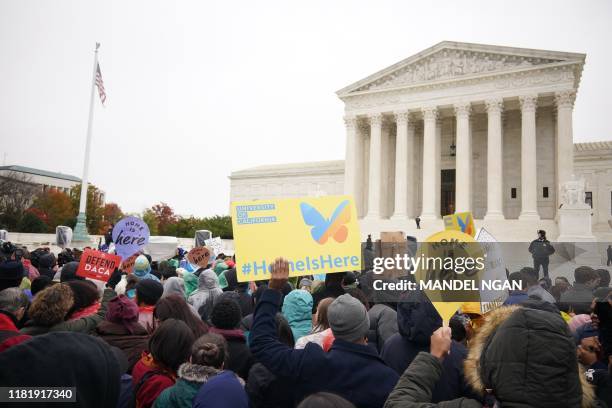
(348, 318)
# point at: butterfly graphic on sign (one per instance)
(463, 222)
(323, 228)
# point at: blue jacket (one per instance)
(353, 371)
(417, 319)
(222, 391)
(516, 297)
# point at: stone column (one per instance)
(411, 178)
(401, 166)
(495, 160)
(529, 168)
(565, 137)
(463, 159)
(431, 165)
(351, 159)
(375, 171)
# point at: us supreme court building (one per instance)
(457, 127)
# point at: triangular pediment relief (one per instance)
(442, 63)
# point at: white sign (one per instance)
(495, 269)
(216, 244)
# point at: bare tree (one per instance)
(17, 192)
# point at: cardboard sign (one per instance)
(463, 222)
(199, 256)
(316, 235)
(127, 265)
(130, 235)
(97, 265)
(495, 269)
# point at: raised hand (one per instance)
(279, 274)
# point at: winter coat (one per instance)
(541, 249)
(265, 390)
(516, 297)
(525, 357)
(190, 379)
(82, 325)
(540, 293)
(240, 358)
(354, 371)
(417, 319)
(332, 291)
(174, 286)
(45, 265)
(222, 391)
(63, 359)
(208, 290)
(383, 325)
(191, 283)
(117, 335)
(9, 335)
(297, 309)
(147, 387)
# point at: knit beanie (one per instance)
(123, 311)
(11, 273)
(348, 318)
(68, 272)
(226, 314)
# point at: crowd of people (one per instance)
(172, 335)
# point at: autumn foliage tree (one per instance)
(162, 220)
(56, 208)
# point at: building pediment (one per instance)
(451, 61)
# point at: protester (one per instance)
(351, 368)
(169, 347)
(578, 321)
(383, 324)
(321, 333)
(603, 288)
(142, 268)
(190, 282)
(222, 391)
(247, 321)
(520, 357)
(225, 318)
(204, 297)
(85, 294)
(11, 274)
(174, 286)
(13, 305)
(417, 319)
(148, 292)
(208, 356)
(333, 288)
(535, 290)
(39, 284)
(121, 329)
(580, 295)
(64, 360)
(519, 295)
(47, 265)
(265, 389)
(175, 307)
(461, 328)
(68, 272)
(51, 307)
(241, 288)
(297, 309)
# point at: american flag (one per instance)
(100, 85)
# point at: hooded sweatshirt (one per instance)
(191, 283)
(174, 286)
(417, 319)
(208, 290)
(297, 309)
(189, 381)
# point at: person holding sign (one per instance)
(350, 369)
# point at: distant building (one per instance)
(47, 180)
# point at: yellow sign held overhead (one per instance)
(463, 222)
(316, 234)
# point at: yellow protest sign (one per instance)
(463, 222)
(316, 234)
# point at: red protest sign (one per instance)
(199, 256)
(127, 266)
(97, 265)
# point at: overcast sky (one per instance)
(199, 89)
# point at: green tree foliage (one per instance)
(32, 222)
(162, 220)
(95, 207)
(56, 207)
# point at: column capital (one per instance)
(401, 117)
(430, 113)
(494, 105)
(375, 119)
(350, 121)
(463, 108)
(528, 102)
(565, 99)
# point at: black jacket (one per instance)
(266, 390)
(541, 248)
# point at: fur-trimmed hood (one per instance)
(527, 357)
(199, 373)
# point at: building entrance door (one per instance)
(447, 194)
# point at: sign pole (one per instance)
(80, 230)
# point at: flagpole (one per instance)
(80, 230)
